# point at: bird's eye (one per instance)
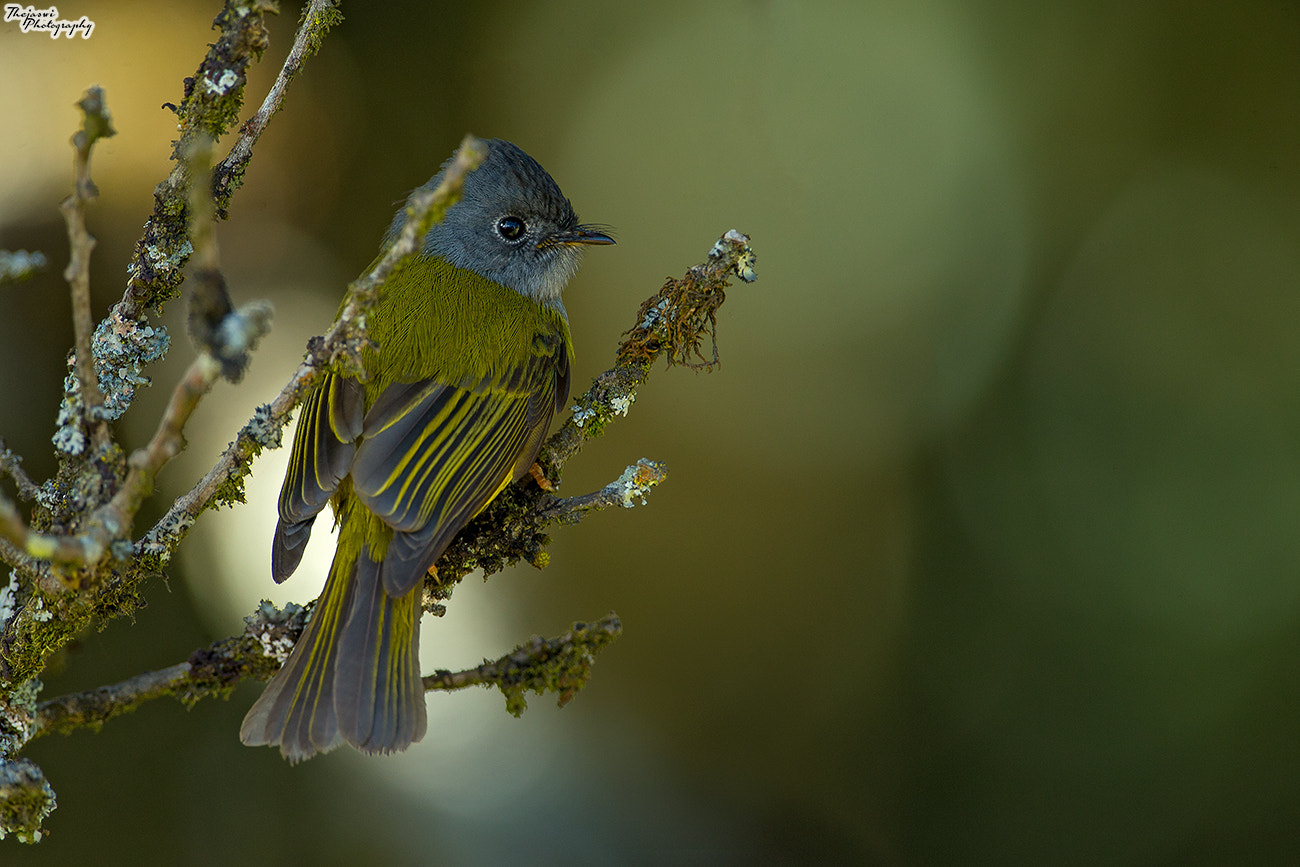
(511, 228)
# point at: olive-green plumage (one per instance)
(472, 364)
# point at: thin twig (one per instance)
(626, 491)
(97, 123)
(95, 707)
(168, 440)
(12, 465)
(317, 18)
(561, 665)
(212, 101)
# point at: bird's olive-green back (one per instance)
(450, 324)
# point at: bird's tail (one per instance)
(353, 676)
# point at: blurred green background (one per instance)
(979, 548)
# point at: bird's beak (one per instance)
(582, 235)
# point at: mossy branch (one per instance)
(210, 105)
(558, 665)
(318, 17)
(224, 343)
(671, 324)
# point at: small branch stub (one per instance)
(676, 320)
(561, 665)
(627, 491)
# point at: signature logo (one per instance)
(30, 19)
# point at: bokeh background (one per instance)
(981, 545)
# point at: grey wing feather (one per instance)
(323, 447)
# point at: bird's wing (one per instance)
(433, 454)
(323, 446)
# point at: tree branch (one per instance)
(626, 491)
(97, 123)
(227, 338)
(86, 511)
(93, 708)
(12, 465)
(317, 19)
(211, 104)
(560, 665)
(670, 324)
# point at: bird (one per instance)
(471, 361)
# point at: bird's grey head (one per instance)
(512, 225)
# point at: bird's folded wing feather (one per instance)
(323, 447)
(432, 455)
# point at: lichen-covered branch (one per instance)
(74, 560)
(93, 708)
(12, 466)
(64, 577)
(210, 106)
(26, 799)
(112, 522)
(626, 491)
(317, 18)
(81, 413)
(508, 530)
(210, 671)
(227, 338)
(671, 324)
(25, 796)
(560, 665)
